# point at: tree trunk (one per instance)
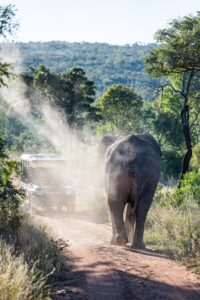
(186, 132)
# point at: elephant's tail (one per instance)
(130, 217)
(130, 212)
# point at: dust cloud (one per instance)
(82, 167)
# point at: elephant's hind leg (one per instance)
(113, 241)
(141, 213)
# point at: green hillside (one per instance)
(105, 64)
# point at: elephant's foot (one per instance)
(112, 241)
(121, 240)
(138, 245)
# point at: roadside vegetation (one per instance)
(30, 260)
(30, 263)
(173, 224)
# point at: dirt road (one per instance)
(102, 271)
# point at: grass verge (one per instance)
(175, 231)
(30, 263)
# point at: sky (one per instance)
(109, 21)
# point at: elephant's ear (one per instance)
(109, 157)
(104, 144)
(107, 167)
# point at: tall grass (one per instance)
(175, 229)
(30, 262)
(17, 279)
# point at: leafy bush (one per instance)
(175, 231)
(10, 197)
(18, 281)
(173, 224)
(171, 162)
(190, 188)
(28, 142)
(38, 249)
(187, 195)
(196, 157)
(31, 262)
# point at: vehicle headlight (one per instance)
(38, 191)
(69, 191)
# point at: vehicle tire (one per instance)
(28, 206)
(33, 210)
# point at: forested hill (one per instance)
(105, 64)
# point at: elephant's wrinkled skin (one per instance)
(132, 172)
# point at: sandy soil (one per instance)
(102, 271)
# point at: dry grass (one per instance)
(17, 279)
(30, 263)
(175, 231)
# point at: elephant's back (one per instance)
(134, 154)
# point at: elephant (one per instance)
(132, 172)
(104, 144)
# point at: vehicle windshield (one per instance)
(44, 172)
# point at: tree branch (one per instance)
(171, 86)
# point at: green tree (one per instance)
(161, 118)
(7, 27)
(71, 92)
(10, 198)
(106, 64)
(122, 107)
(10, 214)
(177, 59)
(7, 22)
(81, 93)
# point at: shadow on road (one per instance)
(71, 284)
(97, 284)
(147, 251)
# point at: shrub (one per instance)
(10, 197)
(196, 157)
(175, 231)
(187, 195)
(18, 280)
(37, 248)
(29, 142)
(31, 262)
(171, 162)
(173, 224)
(190, 187)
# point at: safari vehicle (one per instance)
(43, 183)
